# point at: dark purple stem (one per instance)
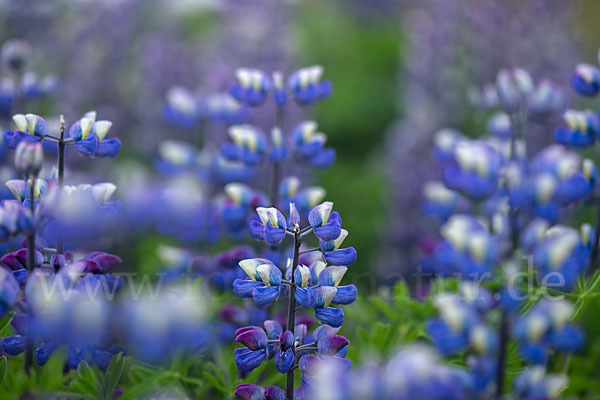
(291, 324)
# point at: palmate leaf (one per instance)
(113, 375)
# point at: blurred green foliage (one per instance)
(361, 57)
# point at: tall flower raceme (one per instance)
(56, 212)
(496, 205)
(582, 128)
(317, 286)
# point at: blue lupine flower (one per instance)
(280, 96)
(236, 207)
(545, 327)
(17, 264)
(176, 157)
(460, 325)
(326, 224)
(233, 317)
(227, 171)
(20, 189)
(444, 142)
(271, 227)
(586, 80)
(581, 130)
(251, 88)
(285, 357)
(304, 199)
(30, 127)
(441, 202)
(499, 125)
(474, 169)
(221, 107)
(248, 391)
(318, 287)
(263, 286)
(534, 383)
(32, 87)
(248, 145)
(309, 145)
(15, 219)
(468, 248)
(29, 158)
(307, 87)
(182, 108)
(9, 291)
(560, 256)
(514, 86)
(90, 137)
(558, 180)
(547, 98)
(278, 151)
(257, 345)
(332, 252)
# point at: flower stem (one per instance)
(61, 175)
(502, 354)
(291, 324)
(31, 267)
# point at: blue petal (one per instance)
(44, 351)
(324, 159)
(535, 353)
(345, 295)
(243, 288)
(246, 360)
(568, 339)
(330, 231)
(304, 296)
(13, 345)
(284, 361)
(265, 295)
(257, 230)
(341, 257)
(88, 146)
(445, 339)
(74, 357)
(330, 316)
(109, 148)
(274, 236)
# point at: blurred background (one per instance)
(400, 71)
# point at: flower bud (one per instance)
(15, 53)
(29, 158)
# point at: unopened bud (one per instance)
(29, 158)
(15, 53)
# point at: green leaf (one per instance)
(3, 366)
(6, 320)
(88, 381)
(113, 375)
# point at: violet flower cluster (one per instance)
(494, 206)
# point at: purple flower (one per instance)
(90, 137)
(271, 227)
(264, 282)
(30, 127)
(586, 80)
